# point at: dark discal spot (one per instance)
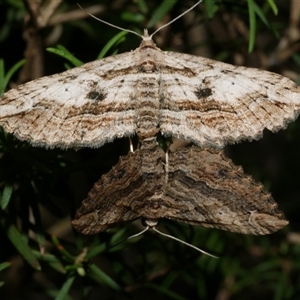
(119, 174)
(223, 172)
(203, 93)
(96, 95)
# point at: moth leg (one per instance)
(167, 166)
(131, 145)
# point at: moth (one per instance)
(200, 187)
(149, 91)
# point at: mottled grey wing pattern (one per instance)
(216, 193)
(212, 103)
(202, 187)
(111, 200)
(146, 91)
(121, 195)
(77, 108)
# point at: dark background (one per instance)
(45, 187)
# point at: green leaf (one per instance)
(273, 6)
(81, 271)
(69, 257)
(118, 38)
(160, 12)
(2, 71)
(21, 245)
(6, 195)
(211, 8)
(166, 291)
(16, 4)
(4, 265)
(260, 14)
(118, 236)
(5, 79)
(164, 142)
(102, 277)
(65, 288)
(39, 233)
(142, 5)
(52, 261)
(132, 17)
(63, 52)
(252, 25)
(96, 250)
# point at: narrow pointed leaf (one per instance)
(22, 246)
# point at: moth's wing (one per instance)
(211, 103)
(112, 200)
(85, 106)
(213, 192)
(131, 190)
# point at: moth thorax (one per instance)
(148, 67)
(145, 133)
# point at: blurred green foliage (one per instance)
(42, 257)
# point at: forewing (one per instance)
(213, 192)
(111, 201)
(85, 106)
(211, 103)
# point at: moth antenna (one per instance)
(131, 31)
(112, 25)
(151, 224)
(178, 17)
(138, 234)
(183, 242)
(131, 237)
